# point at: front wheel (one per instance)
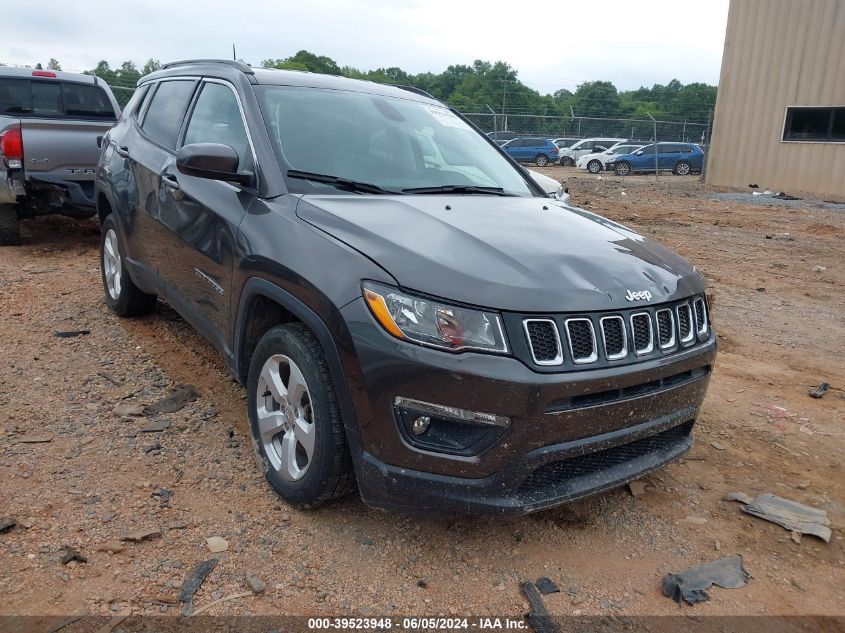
(541, 160)
(594, 166)
(567, 161)
(10, 232)
(123, 297)
(295, 419)
(682, 168)
(623, 168)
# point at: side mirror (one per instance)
(100, 142)
(562, 195)
(639, 152)
(214, 161)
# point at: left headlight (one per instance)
(434, 323)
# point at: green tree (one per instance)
(597, 99)
(54, 64)
(151, 66)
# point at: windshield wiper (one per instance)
(495, 191)
(340, 183)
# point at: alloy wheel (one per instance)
(112, 264)
(285, 417)
(594, 167)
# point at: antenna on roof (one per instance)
(234, 56)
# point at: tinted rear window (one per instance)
(24, 97)
(166, 111)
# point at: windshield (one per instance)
(389, 142)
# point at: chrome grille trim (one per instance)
(624, 351)
(690, 319)
(557, 360)
(671, 342)
(593, 357)
(700, 310)
(650, 347)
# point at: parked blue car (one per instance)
(540, 151)
(681, 158)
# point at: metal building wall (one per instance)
(778, 53)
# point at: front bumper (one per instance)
(572, 434)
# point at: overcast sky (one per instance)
(553, 44)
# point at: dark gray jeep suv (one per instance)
(406, 307)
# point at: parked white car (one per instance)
(597, 162)
(569, 155)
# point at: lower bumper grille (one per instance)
(551, 480)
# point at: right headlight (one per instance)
(434, 323)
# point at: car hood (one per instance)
(509, 253)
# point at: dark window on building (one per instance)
(166, 111)
(826, 125)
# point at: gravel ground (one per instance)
(84, 462)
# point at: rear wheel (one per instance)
(594, 166)
(682, 168)
(541, 160)
(10, 232)
(623, 168)
(567, 161)
(123, 297)
(295, 419)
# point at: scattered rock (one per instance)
(255, 584)
(163, 494)
(177, 525)
(546, 585)
(113, 547)
(216, 544)
(71, 333)
(125, 409)
(35, 438)
(636, 488)
(717, 445)
(72, 554)
(174, 401)
(140, 534)
(155, 426)
(6, 524)
(696, 520)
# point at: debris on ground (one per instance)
(717, 445)
(72, 554)
(71, 333)
(218, 601)
(162, 494)
(155, 426)
(636, 488)
(784, 237)
(140, 534)
(546, 585)
(112, 547)
(6, 524)
(255, 584)
(178, 397)
(538, 617)
(35, 438)
(690, 585)
(818, 392)
(125, 409)
(784, 196)
(216, 544)
(193, 582)
(794, 516)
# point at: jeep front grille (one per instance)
(700, 316)
(582, 340)
(544, 341)
(665, 328)
(615, 337)
(685, 323)
(642, 332)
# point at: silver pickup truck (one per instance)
(51, 125)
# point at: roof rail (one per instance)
(415, 90)
(244, 68)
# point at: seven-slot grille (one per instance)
(582, 340)
(614, 336)
(544, 341)
(621, 337)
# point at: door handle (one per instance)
(170, 181)
(122, 150)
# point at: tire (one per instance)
(595, 166)
(682, 168)
(289, 359)
(541, 160)
(123, 297)
(623, 168)
(10, 231)
(567, 161)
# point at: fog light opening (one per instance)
(420, 425)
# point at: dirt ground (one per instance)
(73, 472)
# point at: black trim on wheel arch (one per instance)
(255, 286)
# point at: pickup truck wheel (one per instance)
(541, 160)
(295, 419)
(594, 166)
(10, 232)
(623, 168)
(123, 297)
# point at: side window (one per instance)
(666, 149)
(133, 107)
(82, 100)
(46, 98)
(15, 96)
(167, 108)
(217, 119)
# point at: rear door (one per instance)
(667, 155)
(201, 216)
